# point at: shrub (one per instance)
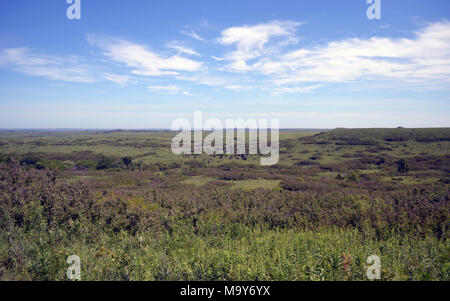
(292, 185)
(402, 166)
(106, 163)
(217, 233)
(30, 159)
(87, 164)
(127, 161)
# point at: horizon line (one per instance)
(170, 130)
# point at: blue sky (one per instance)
(142, 64)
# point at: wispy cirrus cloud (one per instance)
(192, 34)
(119, 79)
(218, 59)
(68, 69)
(182, 49)
(207, 79)
(251, 41)
(263, 57)
(142, 61)
(170, 89)
(293, 90)
(425, 58)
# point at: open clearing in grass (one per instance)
(251, 184)
(248, 184)
(198, 180)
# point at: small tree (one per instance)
(402, 166)
(105, 163)
(127, 161)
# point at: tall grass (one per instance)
(208, 235)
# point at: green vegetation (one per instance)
(127, 161)
(131, 210)
(402, 166)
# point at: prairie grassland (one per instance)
(335, 198)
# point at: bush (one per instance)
(106, 163)
(292, 185)
(30, 159)
(87, 164)
(217, 233)
(402, 166)
(127, 161)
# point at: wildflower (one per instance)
(346, 262)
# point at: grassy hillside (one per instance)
(335, 198)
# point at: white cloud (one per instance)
(251, 41)
(143, 61)
(423, 58)
(293, 90)
(52, 67)
(192, 34)
(171, 89)
(182, 49)
(119, 79)
(260, 57)
(207, 79)
(236, 87)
